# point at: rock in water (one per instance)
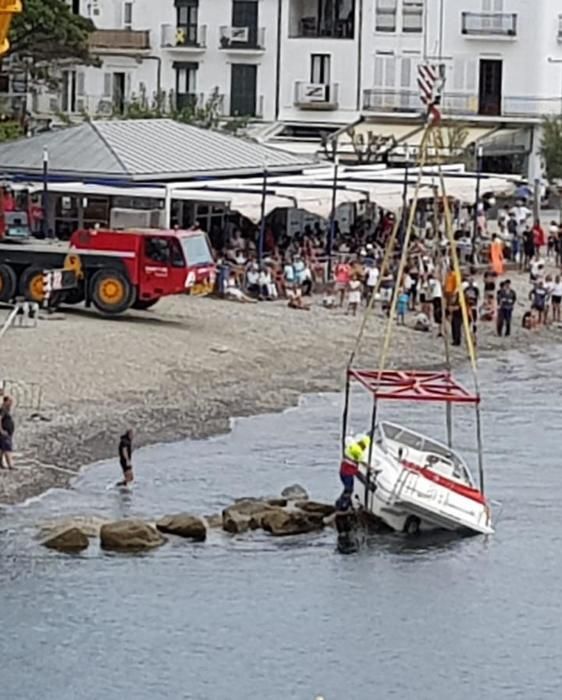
(323, 509)
(89, 524)
(213, 521)
(245, 515)
(183, 525)
(295, 492)
(282, 523)
(70, 540)
(130, 536)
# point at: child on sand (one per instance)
(354, 295)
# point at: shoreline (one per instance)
(187, 369)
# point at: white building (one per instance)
(322, 64)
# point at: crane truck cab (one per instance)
(111, 270)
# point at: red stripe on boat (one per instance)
(461, 489)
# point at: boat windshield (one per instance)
(426, 452)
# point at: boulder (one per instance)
(183, 525)
(277, 502)
(70, 540)
(213, 521)
(89, 524)
(245, 514)
(282, 523)
(295, 492)
(324, 509)
(130, 536)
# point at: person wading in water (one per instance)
(125, 458)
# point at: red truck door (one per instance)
(162, 267)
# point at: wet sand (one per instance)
(182, 370)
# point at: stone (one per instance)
(69, 540)
(324, 509)
(183, 525)
(89, 524)
(130, 536)
(245, 514)
(213, 521)
(282, 523)
(277, 502)
(295, 492)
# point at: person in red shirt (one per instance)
(342, 274)
(539, 237)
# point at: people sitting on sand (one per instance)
(268, 290)
(296, 301)
(529, 321)
(422, 322)
(234, 293)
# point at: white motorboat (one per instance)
(418, 484)
(413, 482)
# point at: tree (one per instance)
(551, 147)
(47, 34)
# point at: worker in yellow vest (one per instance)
(356, 453)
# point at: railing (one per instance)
(124, 39)
(489, 24)
(314, 28)
(316, 95)
(381, 100)
(189, 101)
(242, 38)
(184, 37)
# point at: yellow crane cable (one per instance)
(386, 258)
(404, 255)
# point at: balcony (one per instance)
(189, 38)
(321, 19)
(189, 101)
(316, 96)
(242, 39)
(489, 25)
(121, 39)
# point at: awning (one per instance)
(456, 138)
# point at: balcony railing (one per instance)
(123, 39)
(190, 37)
(489, 24)
(314, 28)
(316, 96)
(242, 38)
(459, 103)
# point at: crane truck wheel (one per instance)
(31, 284)
(112, 293)
(144, 304)
(8, 283)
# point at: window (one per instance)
(196, 249)
(412, 16)
(385, 18)
(128, 15)
(187, 21)
(320, 68)
(164, 251)
(75, 7)
(186, 85)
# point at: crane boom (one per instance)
(8, 8)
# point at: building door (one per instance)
(187, 21)
(186, 80)
(245, 15)
(68, 90)
(243, 87)
(119, 88)
(490, 94)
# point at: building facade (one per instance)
(322, 63)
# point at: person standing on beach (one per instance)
(125, 458)
(7, 428)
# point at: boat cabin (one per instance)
(422, 452)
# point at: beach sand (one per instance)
(182, 370)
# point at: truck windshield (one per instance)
(196, 249)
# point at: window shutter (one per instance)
(80, 84)
(107, 84)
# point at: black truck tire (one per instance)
(8, 283)
(31, 284)
(144, 304)
(111, 291)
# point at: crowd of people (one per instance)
(346, 269)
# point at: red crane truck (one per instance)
(111, 270)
